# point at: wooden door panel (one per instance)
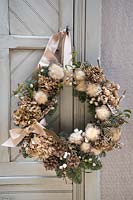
(23, 63)
(36, 196)
(28, 24)
(54, 185)
(24, 169)
(31, 17)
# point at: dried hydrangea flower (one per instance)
(27, 111)
(40, 147)
(47, 85)
(73, 161)
(60, 148)
(51, 163)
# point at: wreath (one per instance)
(71, 154)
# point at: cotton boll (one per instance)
(103, 113)
(85, 147)
(92, 133)
(93, 89)
(56, 72)
(66, 154)
(40, 97)
(76, 137)
(76, 130)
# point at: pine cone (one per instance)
(94, 74)
(48, 85)
(73, 161)
(26, 112)
(51, 163)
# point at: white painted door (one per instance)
(25, 27)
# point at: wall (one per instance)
(117, 60)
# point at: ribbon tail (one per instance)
(67, 60)
(49, 53)
(8, 143)
(12, 142)
(15, 139)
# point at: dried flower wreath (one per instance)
(83, 149)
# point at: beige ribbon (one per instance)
(18, 134)
(58, 50)
(67, 59)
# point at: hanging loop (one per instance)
(67, 30)
(60, 41)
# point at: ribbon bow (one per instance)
(18, 134)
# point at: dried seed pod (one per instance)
(94, 74)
